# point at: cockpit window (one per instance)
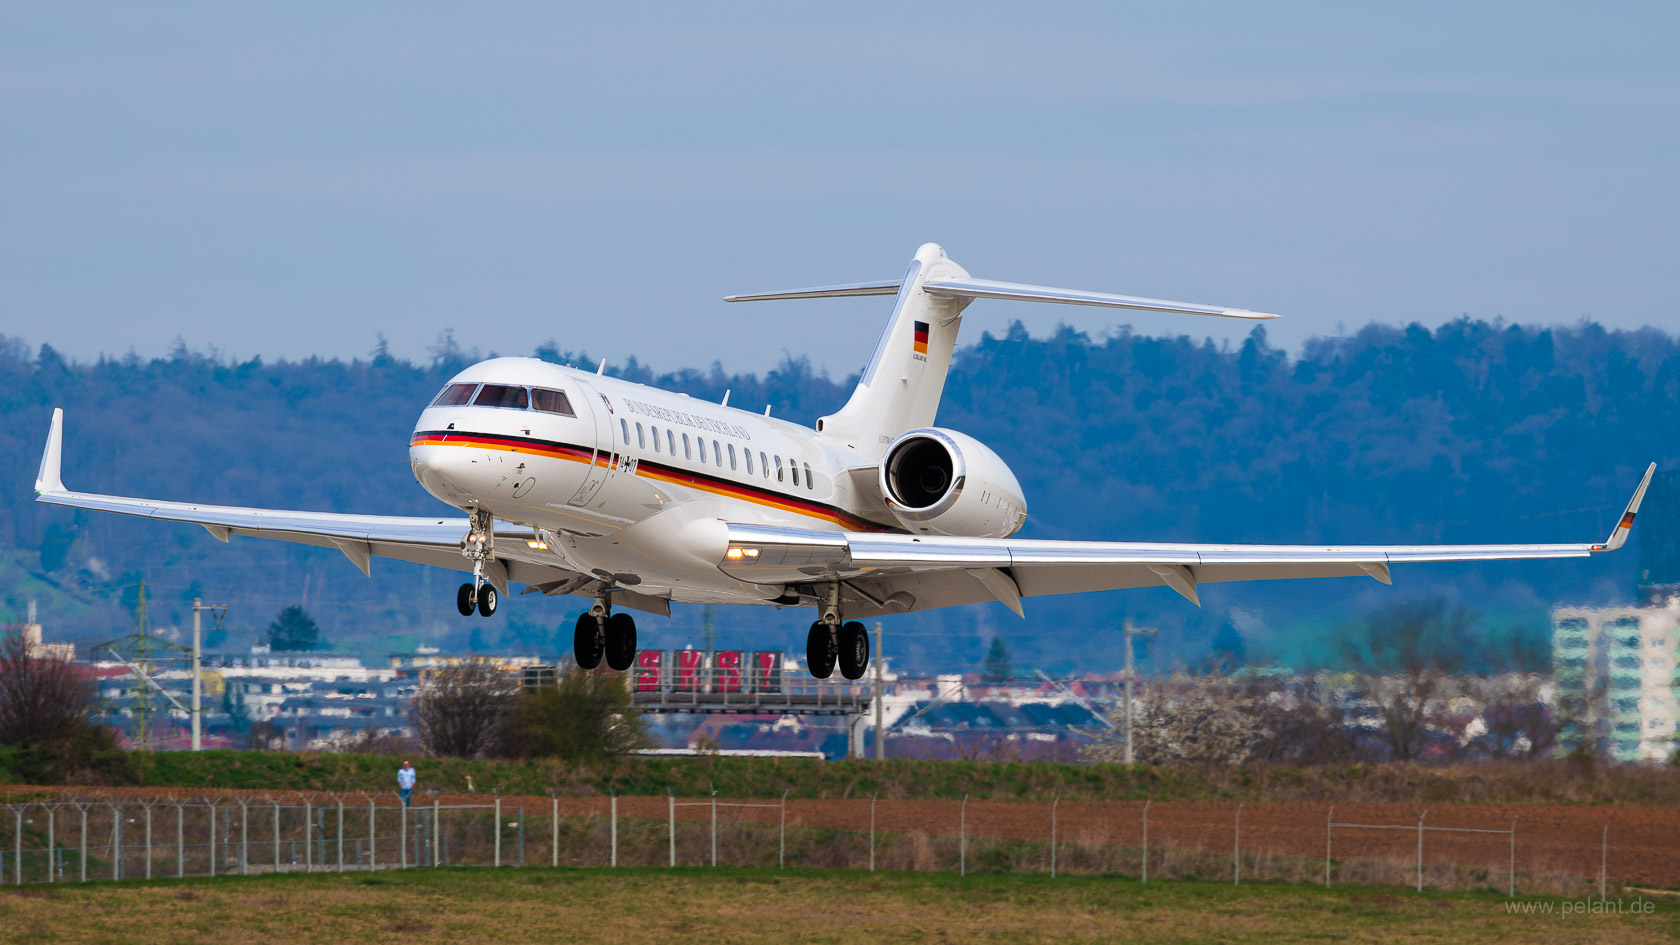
(498, 395)
(455, 395)
(551, 401)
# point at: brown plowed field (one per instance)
(1643, 842)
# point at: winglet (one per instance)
(1620, 533)
(48, 481)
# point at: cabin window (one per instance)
(671, 441)
(747, 455)
(779, 476)
(624, 425)
(501, 395)
(455, 395)
(701, 442)
(717, 454)
(641, 443)
(655, 431)
(551, 401)
(764, 462)
(793, 471)
(732, 456)
(809, 482)
(687, 453)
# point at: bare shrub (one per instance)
(462, 710)
(43, 699)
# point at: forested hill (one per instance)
(1476, 432)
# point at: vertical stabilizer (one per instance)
(900, 389)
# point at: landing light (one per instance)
(736, 554)
(538, 545)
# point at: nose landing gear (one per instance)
(479, 548)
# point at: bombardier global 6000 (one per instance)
(633, 498)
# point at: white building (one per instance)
(1616, 671)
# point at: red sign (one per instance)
(688, 664)
(648, 666)
(766, 672)
(726, 671)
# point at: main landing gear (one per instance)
(602, 633)
(832, 642)
(478, 547)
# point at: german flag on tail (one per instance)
(921, 337)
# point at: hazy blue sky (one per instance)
(294, 179)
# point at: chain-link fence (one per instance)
(1537, 850)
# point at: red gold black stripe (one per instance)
(704, 482)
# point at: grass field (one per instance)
(1528, 782)
(647, 905)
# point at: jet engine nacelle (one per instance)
(942, 482)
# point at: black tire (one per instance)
(854, 649)
(621, 641)
(586, 644)
(465, 600)
(819, 651)
(487, 599)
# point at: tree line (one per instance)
(1474, 431)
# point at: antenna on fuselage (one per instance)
(725, 401)
(603, 368)
(767, 410)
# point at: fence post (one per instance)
(308, 836)
(402, 833)
(84, 841)
(373, 835)
(872, 798)
(498, 860)
(1329, 826)
(1053, 802)
(341, 833)
(437, 837)
(244, 836)
(781, 845)
(612, 813)
(211, 850)
(1236, 850)
(671, 802)
(1146, 841)
(52, 852)
(276, 835)
(1603, 859)
(962, 838)
(17, 844)
(148, 841)
(554, 828)
(1420, 848)
(521, 834)
(1513, 889)
(714, 826)
(116, 842)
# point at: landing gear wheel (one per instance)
(465, 600)
(621, 641)
(586, 641)
(854, 649)
(819, 650)
(486, 599)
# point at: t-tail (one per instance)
(901, 387)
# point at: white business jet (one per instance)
(633, 497)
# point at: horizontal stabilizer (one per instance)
(1020, 292)
(822, 292)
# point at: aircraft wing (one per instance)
(431, 541)
(885, 574)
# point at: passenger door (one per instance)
(604, 457)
